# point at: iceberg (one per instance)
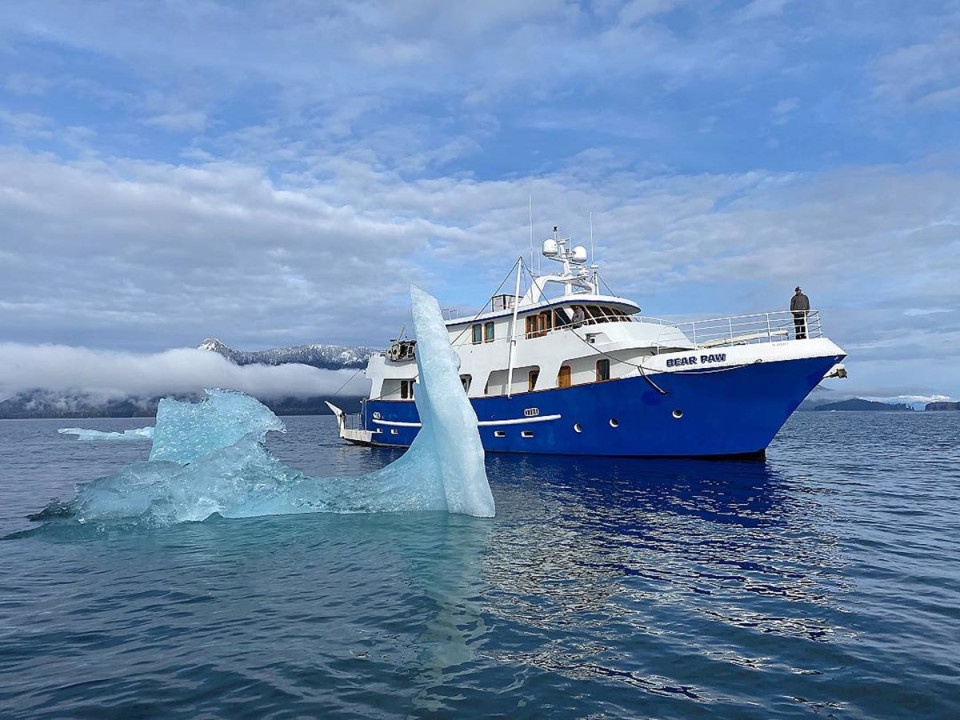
(209, 458)
(187, 432)
(144, 433)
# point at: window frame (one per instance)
(604, 374)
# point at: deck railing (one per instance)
(712, 332)
(746, 329)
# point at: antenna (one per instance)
(591, 239)
(530, 213)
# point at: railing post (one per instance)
(769, 329)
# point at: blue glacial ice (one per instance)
(209, 458)
(188, 432)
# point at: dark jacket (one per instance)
(799, 302)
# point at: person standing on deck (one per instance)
(800, 306)
(577, 316)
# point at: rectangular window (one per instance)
(563, 377)
(532, 380)
(406, 389)
(465, 381)
(546, 322)
(603, 370)
(488, 332)
(499, 433)
(526, 433)
(477, 334)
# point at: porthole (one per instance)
(677, 414)
(394, 431)
(614, 422)
(577, 428)
(526, 433)
(499, 433)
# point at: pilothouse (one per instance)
(560, 367)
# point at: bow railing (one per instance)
(747, 329)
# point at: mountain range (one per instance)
(325, 357)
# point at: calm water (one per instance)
(822, 583)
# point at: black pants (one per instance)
(800, 325)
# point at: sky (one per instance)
(279, 173)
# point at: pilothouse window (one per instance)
(477, 334)
(488, 332)
(538, 325)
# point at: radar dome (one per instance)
(579, 254)
(550, 247)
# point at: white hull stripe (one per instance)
(482, 423)
(520, 421)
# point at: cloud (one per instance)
(22, 83)
(640, 10)
(160, 183)
(783, 109)
(182, 121)
(925, 74)
(27, 124)
(763, 9)
(151, 255)
(111, 375)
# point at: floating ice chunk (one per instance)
(187, 432)
(209, 457)
(144, 433)
(447, 447)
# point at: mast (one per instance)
(513, 328)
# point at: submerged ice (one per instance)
(208, 458)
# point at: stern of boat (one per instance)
(349, 427)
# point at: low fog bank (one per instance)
(64, 381)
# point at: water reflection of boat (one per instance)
(709, 536)
(564, 368)
(735, 492)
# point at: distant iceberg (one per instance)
(144, 433)
(209, 458)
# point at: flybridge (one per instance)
(575, 275)
(578, 281)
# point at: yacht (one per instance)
(560, 367)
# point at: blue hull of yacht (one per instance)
(736, 412)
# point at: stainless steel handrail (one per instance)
(746, 329)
